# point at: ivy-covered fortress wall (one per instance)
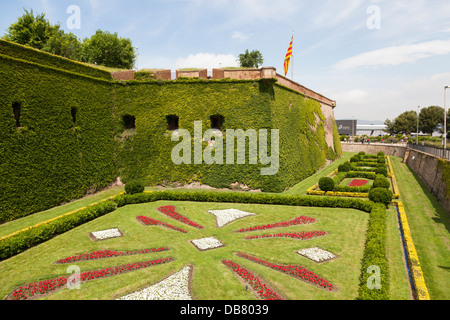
(66, 128)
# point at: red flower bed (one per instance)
(295, 235)
(293, 270)
(103, 254)
(170, 211)
(293, 222)
(46, 286)
(258, 285)
(152, 222)
(358, 183)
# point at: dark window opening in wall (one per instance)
(217, 122)
(172, 122)
(16, 110)
(73, 112)
(129, 122)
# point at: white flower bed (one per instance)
(316, 254)
(226, 216)
(207, 243)
(106, 234)
(176, 287)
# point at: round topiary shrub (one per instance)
(380, 154)
(381, 160)
(381, 170)
(326, 184)
(381, 195)
(381, 183)
(355, 158)
(361, 153)
(346, 167)
(134, 187)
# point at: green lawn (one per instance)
(212, 280)
(430, 226)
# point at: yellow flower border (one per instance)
(56, 218)
(413, 258)
(395, 190)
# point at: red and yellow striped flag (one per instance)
(288, 57)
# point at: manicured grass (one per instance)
(212, 280)
(430, 226)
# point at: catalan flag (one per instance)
(288, 57)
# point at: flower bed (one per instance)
(103, 254)
(358, 183)
(293, 222)
(257, 284)
(105, 234)
(34, 289)
(152, 222)
(175, 287)
(170, 211)
(295, 235)
(296, 271)
(316, 254)
(224, 217)
(207, 243)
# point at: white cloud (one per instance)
(395, 55)
(207, 61)
(239, 36)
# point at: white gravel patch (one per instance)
(107, 234)
(207, 243)
(229, 215)
(317, 254)
(175, 287)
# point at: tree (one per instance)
(108, 49)
(65, 45)
(430, 119)
(31, 30)
(389, 126)
(406, 122)
(251, 59)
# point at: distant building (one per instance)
(347, 127)
(371, 130)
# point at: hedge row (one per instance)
(375, 256)
(33, 236)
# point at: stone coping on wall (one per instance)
(233, 73)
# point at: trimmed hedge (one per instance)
(381, 195)
(375, 255)
(326, 184)
(26, 239)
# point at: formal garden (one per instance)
(345, 233)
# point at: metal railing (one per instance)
(438, 152)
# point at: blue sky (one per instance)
(376, 58)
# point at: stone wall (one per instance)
(428, 169)
(396, 150)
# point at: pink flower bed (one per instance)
(103, 254)
(293, 270)
(358, 183)
(47, 286)
(294, 235)
(152, 222)
(293, 222)
(258, 285)
(170, 211)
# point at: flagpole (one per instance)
(292, 69)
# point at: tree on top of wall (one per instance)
(251, 59)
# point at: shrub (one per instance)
(381, 195)
(134, 187)
(381, 170)
(381, 182)
(355, 158)
(380, 154)
(326, 184)
(362, 153)
(346, 167)
(381, 160)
